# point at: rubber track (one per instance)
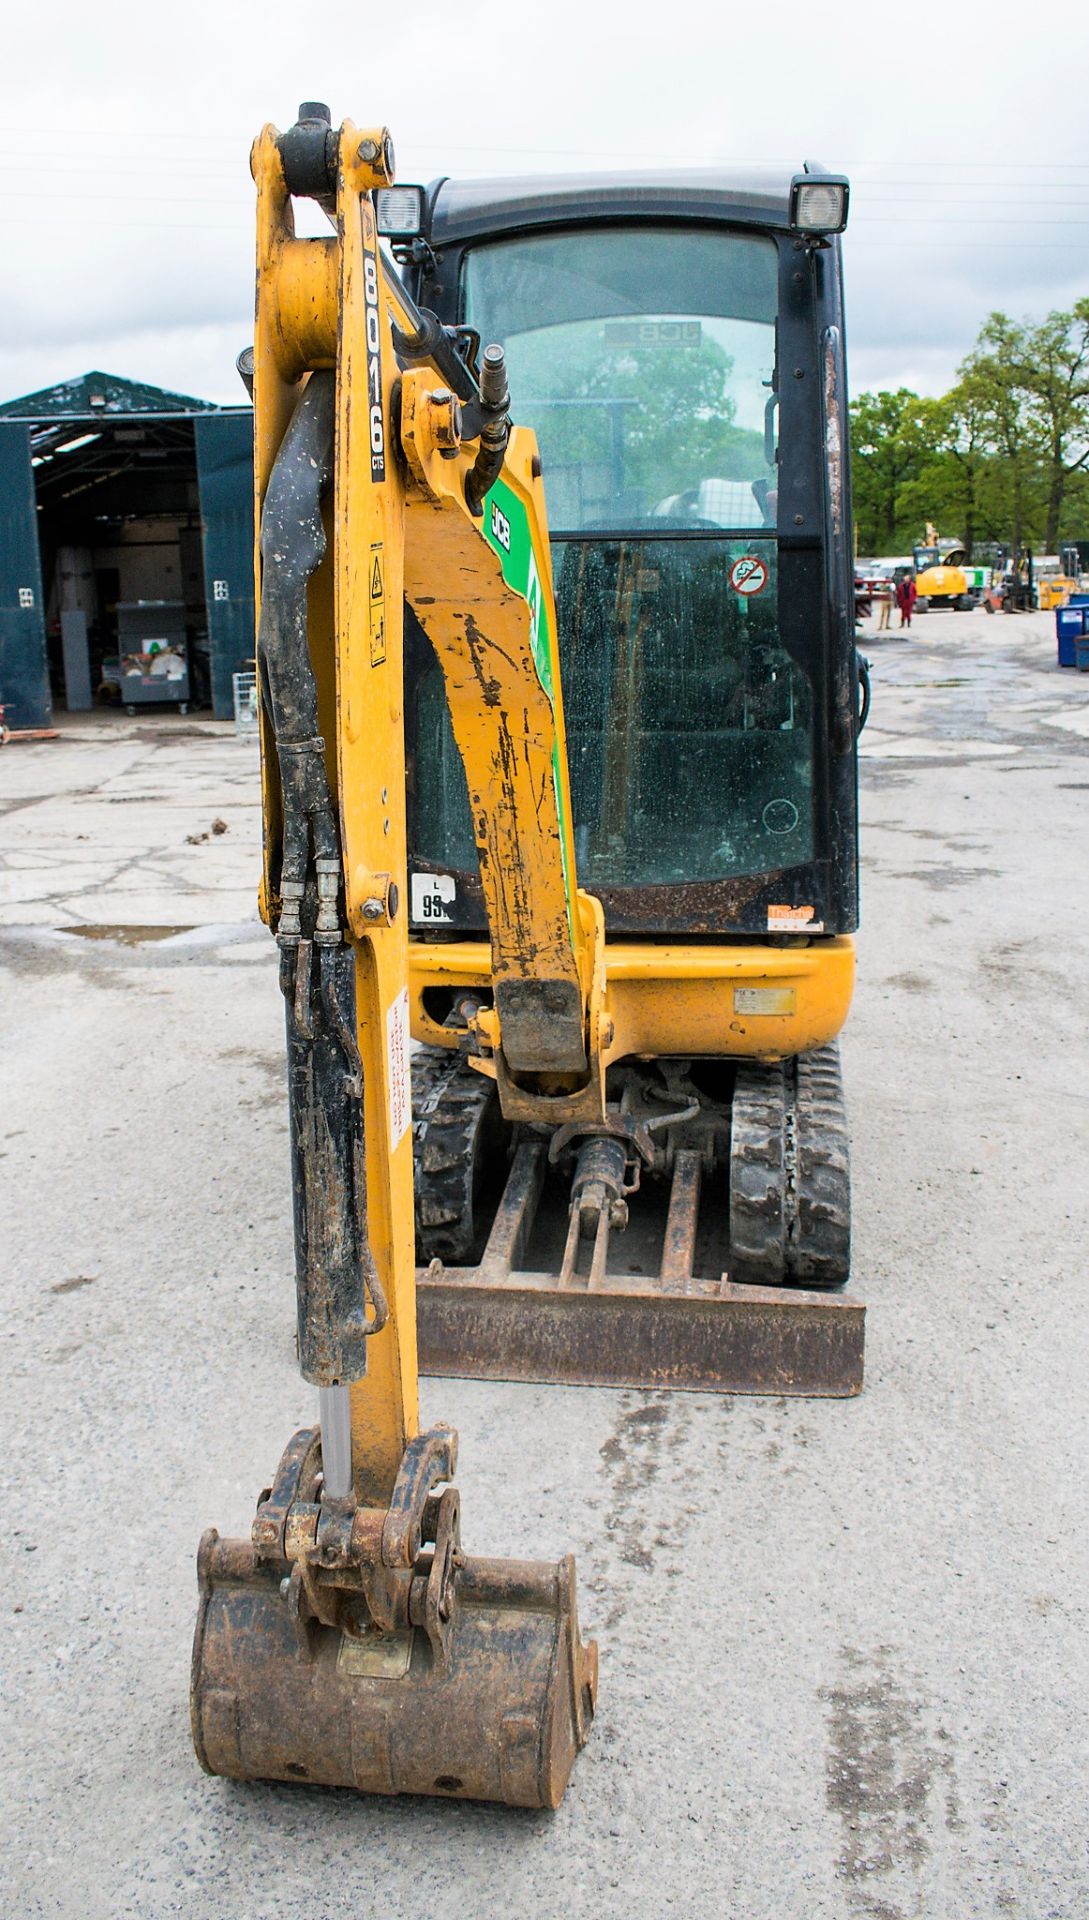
(790, 1183)
(449, 1100)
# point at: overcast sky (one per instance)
(125, 132)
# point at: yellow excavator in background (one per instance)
(627, 980)
(944, 581)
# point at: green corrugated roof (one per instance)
(95, 395)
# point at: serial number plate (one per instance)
(764, 1000)
(377, 1656)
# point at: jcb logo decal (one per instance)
(500, 528)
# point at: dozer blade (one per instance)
(503, 1321)
(499, 1715)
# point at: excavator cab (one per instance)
(677, 354)
(676, 344)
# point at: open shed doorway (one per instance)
(119, 533)
(126, 559)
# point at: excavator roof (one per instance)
(461, 209)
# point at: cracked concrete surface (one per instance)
(96, 825)
(844, 1649)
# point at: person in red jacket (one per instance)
(906, 596)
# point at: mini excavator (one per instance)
(620, 942)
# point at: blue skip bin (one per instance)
(1081, 652)
(1070, 628)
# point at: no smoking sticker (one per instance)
(749, 574)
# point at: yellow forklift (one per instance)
(612, 901)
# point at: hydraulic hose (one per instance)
(864, 686)
(335, 1270)
(495, 431)
(292, 548)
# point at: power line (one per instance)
(995, 248)
(238, 178)
(907, 218)
(433, 144)
(961, 220)
(968, 200)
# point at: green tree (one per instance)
(945, 488)
(888, 451)
(1054, 377)
(651, 419)
(993, 376)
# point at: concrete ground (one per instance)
(844, 1647)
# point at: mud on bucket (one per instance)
(493, 1706)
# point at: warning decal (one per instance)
(793, 920)
(377, 609)
(749, 575)
(397, 1062)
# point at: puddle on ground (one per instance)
(888, 746)
(126, 936)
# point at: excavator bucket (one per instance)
(499, 1714)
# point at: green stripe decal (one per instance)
(506, 529)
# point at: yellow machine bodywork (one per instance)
(743, 1001)
(941, 579)
(635, 997)
(355, 646)
(350, 1640)
(1054, 590)
(941, 583)
(412, 536)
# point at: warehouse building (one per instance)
(126, 549)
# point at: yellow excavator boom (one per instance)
(350, 1640)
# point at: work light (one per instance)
(399, 212)
(818, 205)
